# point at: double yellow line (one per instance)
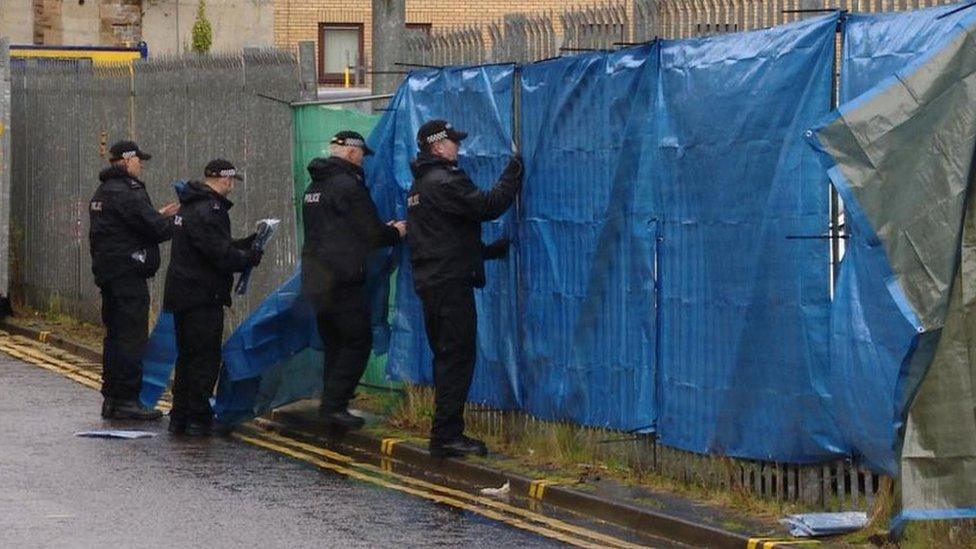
(329, 460)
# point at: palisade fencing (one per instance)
(4, 166)
(182, 110)
(525, 37)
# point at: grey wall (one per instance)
(184, 111)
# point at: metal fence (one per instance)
(4, 165)
(184, 111)
(523, 37)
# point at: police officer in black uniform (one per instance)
(342, 228)
(202, 264)
(445, 211)
(124, 235)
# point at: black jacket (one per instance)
(342, 227)
(125, 229)
(204, 257)
(444, 215)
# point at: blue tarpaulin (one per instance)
(901, 155)
(870, 338)
(478, 100)
(618, 154)
(656, 281)
(587, 239)
(744, 309)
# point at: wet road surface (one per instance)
(59, 490)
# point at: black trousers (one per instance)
(199, 333)
(344, 326)
(125, 314)
(452, 325)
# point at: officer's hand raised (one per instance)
(170, 209)
(514, 168)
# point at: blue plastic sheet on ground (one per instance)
(158, 360)
(870, 338)
(261, 349)
(477, 100)
(587, 239)
(276, 357)
(744, 309)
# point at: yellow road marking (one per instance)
(494, 515)
(770, 543)
(537, 488)
(460, 494)
(386, 446)
(496, 510)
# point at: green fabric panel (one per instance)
(906, 152)
(314, 127)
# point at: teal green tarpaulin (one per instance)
(901, 157)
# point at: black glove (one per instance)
(497, 249)
(255, 257)
(514, 168)
(246, 243)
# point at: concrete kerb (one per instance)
(623, 514)
(619, 513)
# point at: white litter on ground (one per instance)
(116, 433)
(497, 492)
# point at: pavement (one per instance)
(224, 492)
(59, 490)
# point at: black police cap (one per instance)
(351, 139)
(219, 167)
(126, 149)
(437, 130)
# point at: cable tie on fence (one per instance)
(957, 10)
(843, 236)
(811, 10)
(273, 98)
(417, 65)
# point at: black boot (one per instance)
(177, 425)
(197, 429)
(108, 407)
(343, 419)
(133, 409)
(459, 447)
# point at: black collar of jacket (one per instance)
(321, 168)
(426, 162)
(198, 190)
(117, 172)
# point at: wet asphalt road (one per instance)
(58, 490)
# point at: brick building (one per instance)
(165, 25)
(342, 29)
